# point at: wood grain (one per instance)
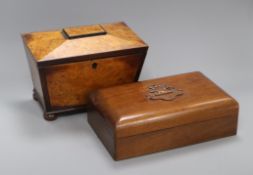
(132, 115)
(50, 45)
(175, 137)
(66, 69)
(83, 31)
(70, 84)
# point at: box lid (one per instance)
(83, 40)
(166, 102)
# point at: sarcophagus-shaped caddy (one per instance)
(67, 64)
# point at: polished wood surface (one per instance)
(175, 137)
(52, 45)
(83, 31)
(70, 84)
(35, 74)
(129, 112)
(66, 64)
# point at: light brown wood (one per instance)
(70, 84)
(82, 31)
(141, 125)
(52, 45)
(66, 64)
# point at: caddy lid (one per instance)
(162, 103)
(82, 40)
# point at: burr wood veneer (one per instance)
(66, 64)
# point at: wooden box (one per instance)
(160, 114)
(66, 64)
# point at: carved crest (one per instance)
(163, 92)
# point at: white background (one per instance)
(215, 37)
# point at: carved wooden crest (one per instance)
(163, 92)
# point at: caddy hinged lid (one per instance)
(167, 102)
(78, 41)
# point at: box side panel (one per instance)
(208, 111)
(103, 130)
(142, 60)
(176, 137)
(69, 84)
(36, 79)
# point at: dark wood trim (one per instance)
(65, 34)
(102, 131)
(41, 68)
(70, 110)
(34, 67)
(37, 98)
(96, 56)
(44, 89)
(141, 65)
(74, 109)
(54, 110)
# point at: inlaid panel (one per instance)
(69, 84)
(83, 31)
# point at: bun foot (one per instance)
(50, 117)
(35, 96)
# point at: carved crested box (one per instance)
(66, 64)
(160, 114)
